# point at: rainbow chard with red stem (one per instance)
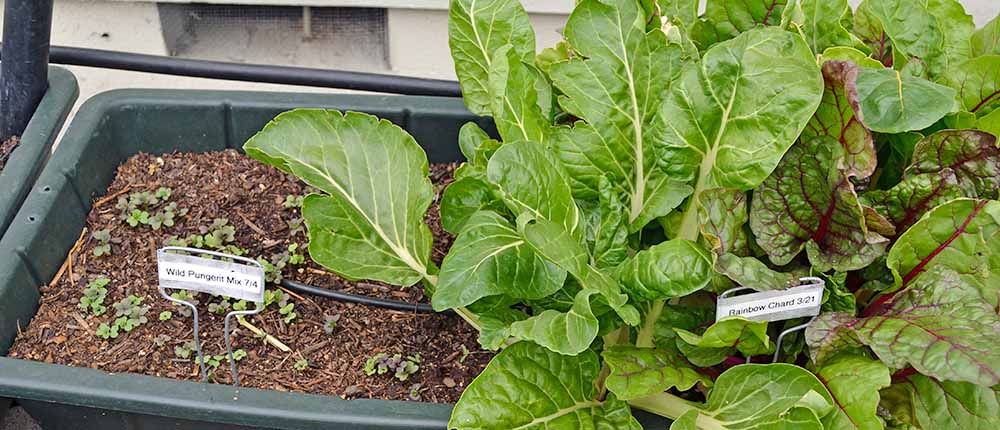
(655, 158)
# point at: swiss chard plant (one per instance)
(655, 158)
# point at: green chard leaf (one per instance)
(722, 339)
(755, 396)
(370, 223)
(464, 198)
(476, 30)
(854, 382)
(607, 228)
(927, 35)
(489, 257)
(531, 180)
(821, 22)
(730, 118)
(940, 325)
(725, 19)
(529, 387)
(986, 40)
(632, 70)
(679, 12)
(894, 102)
(518, 104)
(639, 372)
(568, 333)
(933, 404)
(838, 116)
(978, 84)
(809, 202)
(674, 268)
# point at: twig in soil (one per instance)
(268, 338)
(83, 323)
(250, 224)
(314, 347)
(302, 298)
(111, 197)
(69, 258)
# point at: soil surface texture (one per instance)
(252, 197)
(6, 149)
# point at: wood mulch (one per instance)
(6, 148)
(251, 196)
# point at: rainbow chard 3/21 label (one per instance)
(772, 305)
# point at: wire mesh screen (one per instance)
(330, 37)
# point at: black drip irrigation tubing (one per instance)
(395, 305)
(304, 76)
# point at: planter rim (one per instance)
(190, 400)
(27, 160)
(160, 396)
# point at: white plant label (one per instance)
(188, 272)
(802, 301)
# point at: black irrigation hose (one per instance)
(353, 298)
(360, 81)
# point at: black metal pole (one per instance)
(27, 27)
(361, 81)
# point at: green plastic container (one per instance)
(28, 159)
(107, 130)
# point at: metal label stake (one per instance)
(776, 305)
(217, 277)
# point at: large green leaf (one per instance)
(531, 180)
(513, 86)
(986, 40)
(972, 154)
(568, 333)
(556, 245)
(674, 268)
(854, 382)
(809, 202)
(927, 35)
(868, 28)
(730, 118)
(683, 12)
(933, 404)
(821, 22)
(370, 225)
(639, 372)
(940, 325)
(462, 199)
(962, 235)
(894, 102)
(531, 388)
(488, 258)
(726, 19)
(607, 228)
(723, 338)
(838, 117)
(616, 85)
(753, 273)
(757, 396)
(978, 84)
(476, 30)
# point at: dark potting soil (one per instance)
(251, 196)
(6, 148)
